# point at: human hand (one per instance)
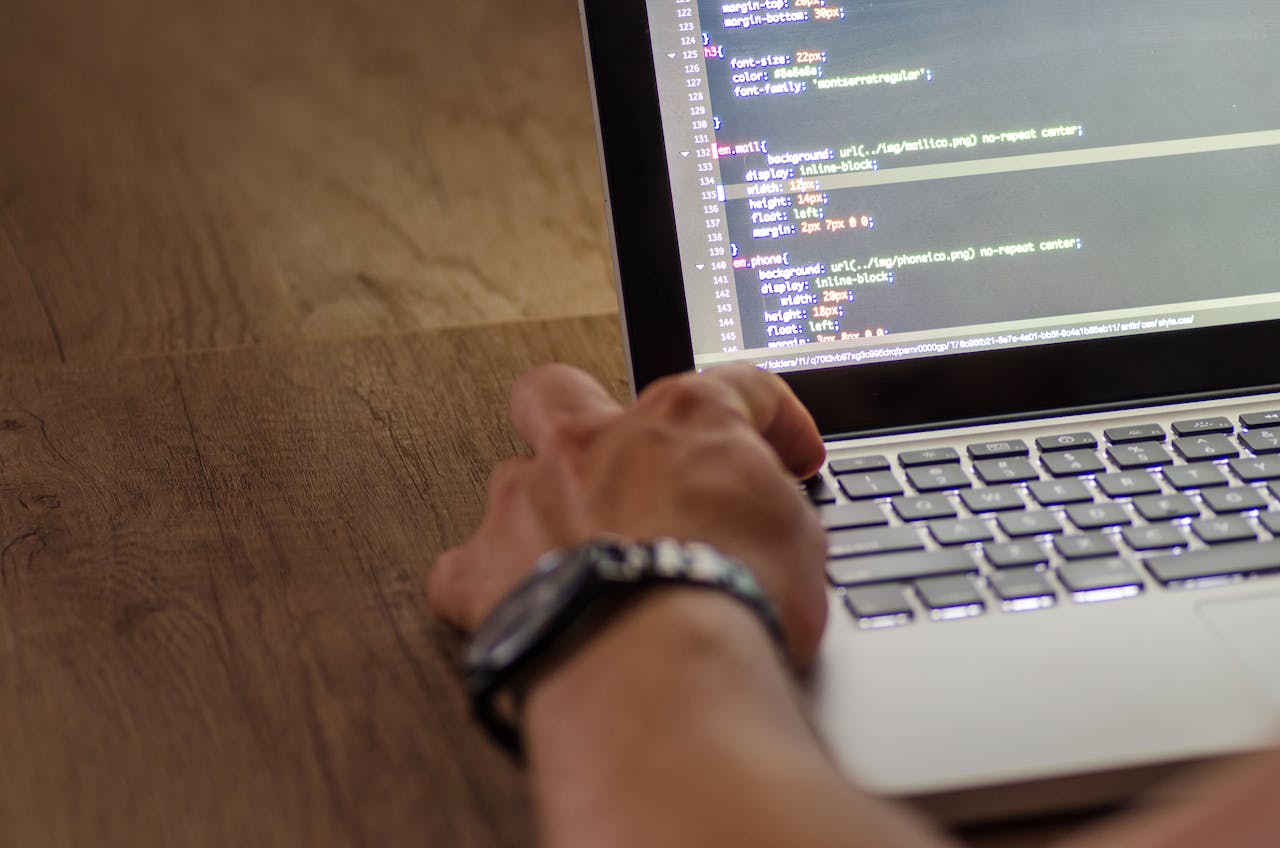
(710, 458)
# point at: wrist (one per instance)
(682, 703)
(675, 653)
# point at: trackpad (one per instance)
(1251, 629)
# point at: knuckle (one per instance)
(567, 435)
(685, 397)
(735, 459)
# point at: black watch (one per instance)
(564, 587)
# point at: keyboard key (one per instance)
(1128, 484)
(1135, 433)
(1138, 455)
(953, 597)
(1252, 420)
(1060, 492)
(1069, 441)
(896, 568)
(938, 478)
(1188, 477)
(1020, 525)
(1085, 546)
(1205, 448)
(1262, 441)
(1220, 531)
(881, 604)
(1235, 499)
(858, 465)
(852, 516)
(1256, 469)
(924, 508)
(931, 456)
(862, 487)
(998, 450)
(818, 492)
(1271, 521)
(961, 531)
(1096, 516)
(856, 543)
(992, 499)
(1074, 463)
(1015, 470)
(1025, 585)
(1015, 554)
(1153, 537)
(1203, 426)
(1099, 576)
(1166, 507)
(1245, 560)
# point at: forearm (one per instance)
(678, 725)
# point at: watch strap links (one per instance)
(616, 571)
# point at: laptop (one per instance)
(1021, 260)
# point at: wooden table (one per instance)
(266, 271)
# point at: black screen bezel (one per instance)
(890, 397)
(638, 189)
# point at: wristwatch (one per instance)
(574, 592)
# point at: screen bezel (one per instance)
(890, 397)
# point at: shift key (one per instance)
(896, 568)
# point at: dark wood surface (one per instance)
(266, 271)
(211, 592)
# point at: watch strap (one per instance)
(617, 571)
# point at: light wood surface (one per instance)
(266, 271)
(180, 175)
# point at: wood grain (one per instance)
(186, 175)
(266, 270)
(28, 335)
(211, 619)
(212, 629)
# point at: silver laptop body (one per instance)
(1018, 257)
(1081, 703)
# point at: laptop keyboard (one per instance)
(1011, 526)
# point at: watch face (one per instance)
(527, 613)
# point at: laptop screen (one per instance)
(865, 182)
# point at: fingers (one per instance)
(777, 414)
(584, 441)
(447, 589)
(552, 399)
(467, 579)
